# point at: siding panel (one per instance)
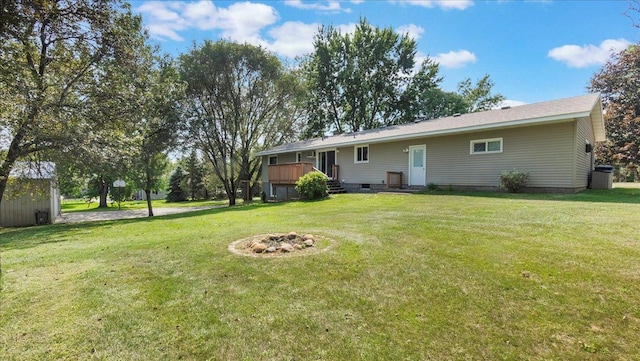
(383, 158)
(546, 152)
(20, 211)
(584, 160)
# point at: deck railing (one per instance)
(288, 173)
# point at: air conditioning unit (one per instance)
(311, 154)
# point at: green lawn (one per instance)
(469, 276)
(81, 205)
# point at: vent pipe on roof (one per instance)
(457, 114)
(506, 107)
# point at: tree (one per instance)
(158, 124)
(175, 192)
(194, 176)
(51, 55)
(424, 99)
(355, 82)
(618, 81)
(240, 99)
(479, 97)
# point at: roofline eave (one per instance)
(425, 134)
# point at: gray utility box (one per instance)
(602, 177)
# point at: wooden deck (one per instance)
(288, 173)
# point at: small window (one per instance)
(273, 159)
(484, 146)
(361, 154)
(298, 157)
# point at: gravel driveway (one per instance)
(75, 217)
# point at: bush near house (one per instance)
(513, 180)
(312, 185)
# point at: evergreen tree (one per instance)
(194, 176)
(175, 192)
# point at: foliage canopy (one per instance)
(618, 81)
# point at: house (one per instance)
(551, 140)
(141, 195)
(32, 196)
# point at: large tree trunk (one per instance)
(5, 169)
(12, 155)
(104, 191)
(231, 192)
(4, 176)
(148, 193)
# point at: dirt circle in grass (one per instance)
(281, 245)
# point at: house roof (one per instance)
(553, 111)
(32, 170)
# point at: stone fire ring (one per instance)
(276, 245)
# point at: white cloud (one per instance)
(587, 55)
(330, 6)
(240, 22)
(166, 19)
(202, 15)
(443, 4)
(164, 32)
(347, 28)
(414, 31)
(455, 59)
(293, 38)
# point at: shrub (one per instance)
(312, 185)
(432, 186)
(513, 180)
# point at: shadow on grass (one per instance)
(616, 195)
(28, 237)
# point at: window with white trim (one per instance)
(298, 157)
(361, 154)
(273, 159)
(486, 146)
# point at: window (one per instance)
(273, 159)
(484, 146)
(298, 157)
(361, 154)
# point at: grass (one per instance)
(80, 205)
(410, 277)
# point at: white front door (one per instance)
(417, 165)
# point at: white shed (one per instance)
(32, 196)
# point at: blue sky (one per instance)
(533, 50)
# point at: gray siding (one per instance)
(383, 158)
(584, 160)
(20, 211)
(547, 152)
(554, 155)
